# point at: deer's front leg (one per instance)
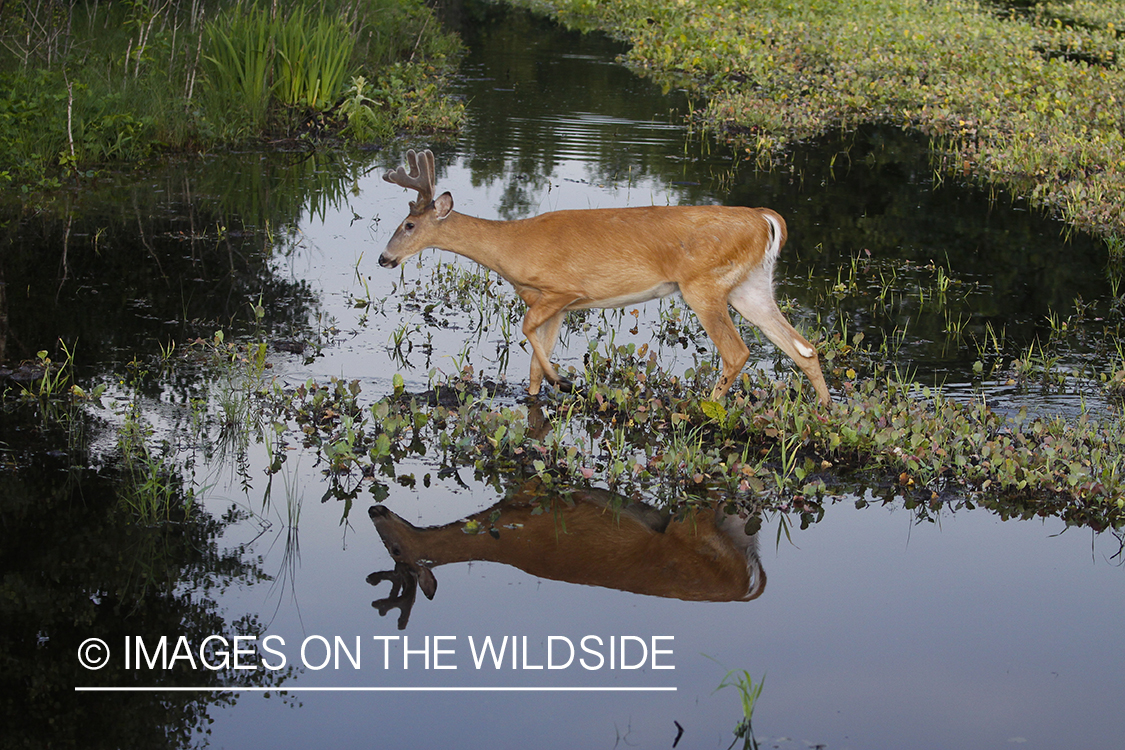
(545, 315)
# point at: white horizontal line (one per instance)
(381, 689)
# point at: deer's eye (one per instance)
(408, 225)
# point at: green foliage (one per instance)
(299, 60)
(313, 57)
(86, 85)
(365, 118)
(32, 127)
(151, 488)
(412, 98)
(748, 694)
(644, 433)
(1028, 100)
(36, 137)
(48, 387)
(398, 31)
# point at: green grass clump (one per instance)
(258, 62)
(748, 693)
(314, 56)
(241, 53)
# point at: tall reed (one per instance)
(241, 54)
(300, 60)
(313, 59)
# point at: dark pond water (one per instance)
(876, 627)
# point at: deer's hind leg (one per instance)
(754, 300)
(544, 314)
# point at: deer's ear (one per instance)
(443, 206)
(426, 581)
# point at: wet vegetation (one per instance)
(1025, 95)
(86, 85)
(748, 694)
(646, 434)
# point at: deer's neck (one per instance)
(491, 243)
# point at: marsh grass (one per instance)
(299, 60)
(241, 50)
(314, 55)
(631, 426)
(643, 433)
(46, 390)
(748, 694)
(1026, 100)
(151, 486)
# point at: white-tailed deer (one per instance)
(572, 260)
(593, 537)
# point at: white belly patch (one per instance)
(656, 292)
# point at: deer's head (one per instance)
(402, 540)
(418, 230)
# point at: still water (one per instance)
(871, 628)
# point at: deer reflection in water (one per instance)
(590, 536)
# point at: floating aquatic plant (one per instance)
(645, 433)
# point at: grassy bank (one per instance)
(91, 84)
(1026, 95)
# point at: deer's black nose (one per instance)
(386, 262)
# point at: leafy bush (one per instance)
(1025, 95)
(32, 133)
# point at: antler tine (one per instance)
(421, 177)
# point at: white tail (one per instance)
(570, 260)
(704, 556)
